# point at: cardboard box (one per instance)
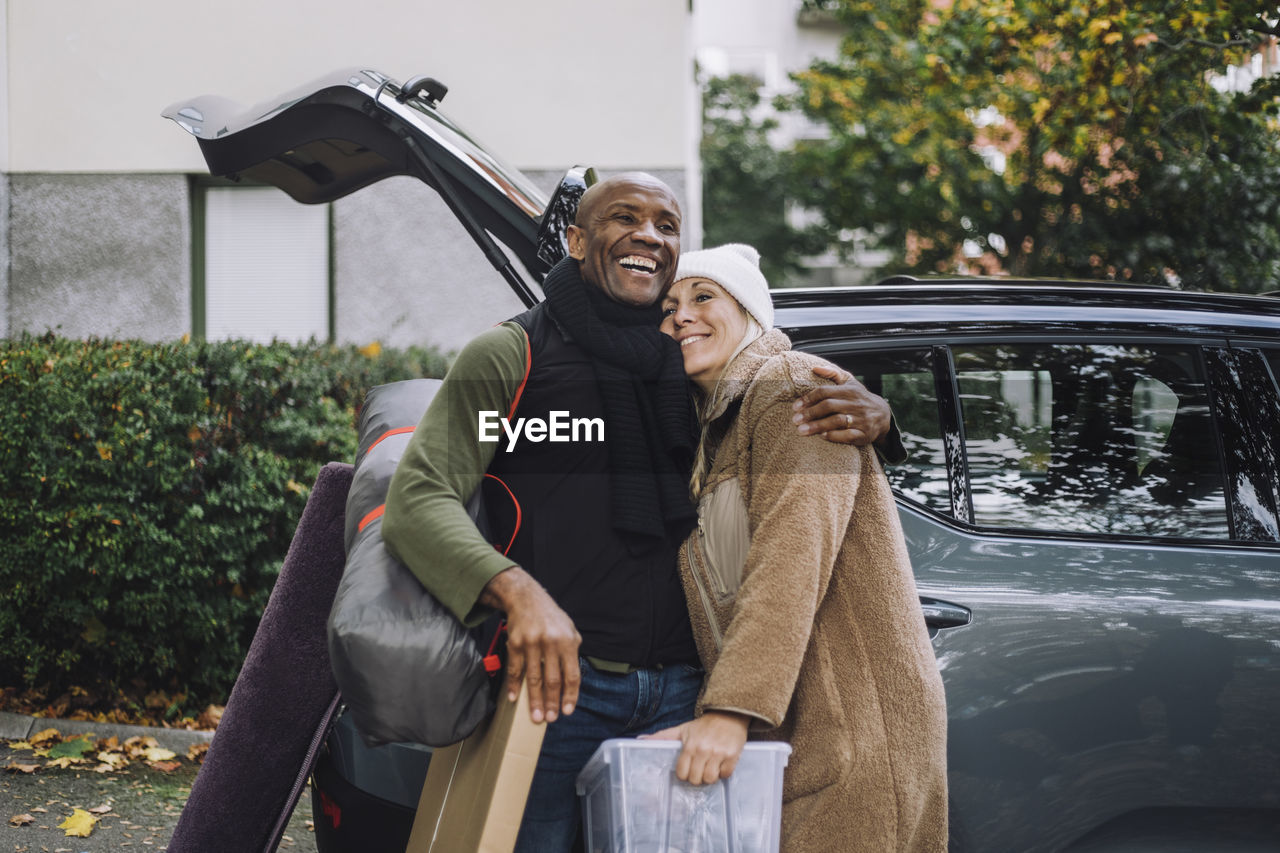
(474, 795)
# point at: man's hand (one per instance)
(542, 644)
(712, 745)
(845, 413)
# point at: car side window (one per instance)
(1247, 408)
(905, 378)
(1090, 438)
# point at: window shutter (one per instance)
(266, 266)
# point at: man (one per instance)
(596, 616)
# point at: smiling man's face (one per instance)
(626, 237)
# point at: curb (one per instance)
(21, 726)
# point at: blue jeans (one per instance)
(609, 705)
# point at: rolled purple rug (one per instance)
(284, 698)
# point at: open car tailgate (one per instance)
(354, 127)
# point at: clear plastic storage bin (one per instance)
(633, 803)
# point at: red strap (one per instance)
(528, 365)
(373, 515)
(519, 514)
(493, 663)
(388, 434)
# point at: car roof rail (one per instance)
(903, 278)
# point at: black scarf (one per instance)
(648, 408)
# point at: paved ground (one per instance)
(137, 807)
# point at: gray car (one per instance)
(1093, 475)
(1091, 504)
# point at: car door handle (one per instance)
(939, 614)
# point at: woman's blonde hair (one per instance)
(702, 457)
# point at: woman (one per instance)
(799, 588)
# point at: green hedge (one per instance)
(148, 494)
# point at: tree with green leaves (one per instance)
(746, 182)
(1050, 138)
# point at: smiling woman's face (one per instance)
(708, 324)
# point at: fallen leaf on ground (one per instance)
(196, 752)
(22, 768)
(79, 824)
(134, 747)
(114, 760)
(210, 716)
(157, 753)
(164, 766)
(102, 809)
(47, 736)
(64, 762)
(16, 745)
(73, 748)
(21, 820)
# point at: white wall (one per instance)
(5, 28)
(545, 85)
(4, 169)
(735, 32)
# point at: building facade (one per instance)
(769, 40)
(111, 227)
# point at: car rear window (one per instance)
(1112, 439)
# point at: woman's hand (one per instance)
(712, 745)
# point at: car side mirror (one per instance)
(563, 207)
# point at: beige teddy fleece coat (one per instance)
(813, 625)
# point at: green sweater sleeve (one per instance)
(426, 525)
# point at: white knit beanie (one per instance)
(736, 268)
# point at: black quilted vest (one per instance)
(627, 602)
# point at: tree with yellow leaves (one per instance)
(1051, 138)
